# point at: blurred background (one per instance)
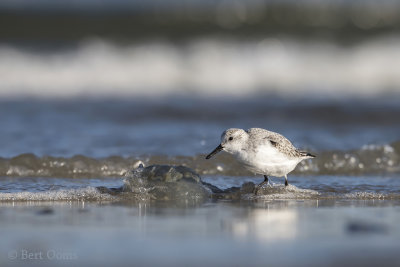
(224, 48)
(131, 78)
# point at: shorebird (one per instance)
(261, 152)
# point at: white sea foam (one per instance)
(367, 195)
(81, 194)
(205, 67)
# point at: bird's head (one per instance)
(232, 141)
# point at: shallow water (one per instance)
(322, 220)
(329, 220)
(341, 208)
(216, 234)
(63, 160)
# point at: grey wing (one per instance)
(277, 140)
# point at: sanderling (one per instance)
(262, 152)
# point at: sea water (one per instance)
(77, 118)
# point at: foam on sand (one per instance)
(81, 194)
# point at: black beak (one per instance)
(215, 151)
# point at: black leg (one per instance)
(265, 178)
(286, 181)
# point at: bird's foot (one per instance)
(258, 187)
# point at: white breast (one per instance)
(267, 160)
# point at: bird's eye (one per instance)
(230, 138)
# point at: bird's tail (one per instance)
(306, 155)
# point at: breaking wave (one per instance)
(204, 67)
(369, 159)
